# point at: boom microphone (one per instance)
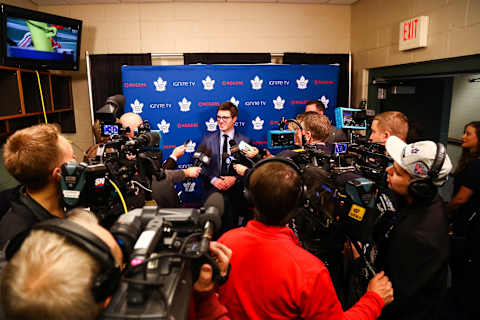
(211, 219)
(146, 139)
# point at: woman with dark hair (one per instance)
(465, 212)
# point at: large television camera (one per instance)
(115, 180)
(164, 250)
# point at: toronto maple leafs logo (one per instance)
(256, 83)
(235, 101)
(278, 103)
(137, 106)
(164, 126)
(160, 84)
(184, 105)
(211, 125)
(325, 101)
(420, 169)
(208, 83)
(302, 83)
(191, 147)
(257, 123)
(189, 186)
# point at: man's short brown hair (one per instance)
(318, 125)
(393, 121)
(318, 105)
(275, 187)
(229, 106)
(32, 153)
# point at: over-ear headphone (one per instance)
(304, 139)
(424, 188)
(300, 192)
(106, 282)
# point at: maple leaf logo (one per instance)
(211, 125)
(325, 101)
(164, 126)
(256, 83)
(184, 105)
(208, 83)
(235, 101)
(189, 186)
(191, 147)
(160, 84)
(137, 106)
(278, 103)
(257, 123)
(302, 83)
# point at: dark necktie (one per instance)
(224, 170)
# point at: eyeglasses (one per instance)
(221, 118)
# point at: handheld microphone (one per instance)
(235, 151)
(202, 157)
(211, 219)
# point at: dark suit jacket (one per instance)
(212, 142)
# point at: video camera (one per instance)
(164, 250)
(114, 180)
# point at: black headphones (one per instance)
(106, 282)
(424, 188)
(304, 139)
(300, 193)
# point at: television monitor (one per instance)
(37, 40)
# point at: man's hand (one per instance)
(192, 172)
(219, 183)
(381, 285)
(221, 254)
(179, 151)
(251, 152)
(240, 169)
(229, 181)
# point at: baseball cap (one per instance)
(418, 158)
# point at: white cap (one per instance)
(418, 158)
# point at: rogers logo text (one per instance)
(272, 122)
(183, 83)
(278, 82)
(160, 105)
(318, 82)
(187, 125)
(255, 103)
(209, 104)
(135, 85)
(298, 101)
(169, 146)
(259, 142)
(232, 83)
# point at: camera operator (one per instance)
(386, 124)
(54, 274)
(134, 121)
(289, 282)
(334, 134)
(34, 156)
(415, 253)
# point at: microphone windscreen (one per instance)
(201, 148)
(208, 152)
(155, 138)
(232, 143)
(118, 100)
(215, 200)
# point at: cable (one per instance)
(119, 194)
(142, 186)
(41, 96)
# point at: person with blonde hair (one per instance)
(34, 156)
(387, 124)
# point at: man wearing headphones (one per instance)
(69, 269)
(34, 156)
(272, 277)
(335, 134)
(417, 246)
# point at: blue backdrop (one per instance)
(181, 101)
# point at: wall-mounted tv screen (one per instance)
(37, 40)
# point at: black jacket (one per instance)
(416, 259)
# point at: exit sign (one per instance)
(413, 33)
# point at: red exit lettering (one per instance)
(410, 29)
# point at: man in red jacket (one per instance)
(272, 277)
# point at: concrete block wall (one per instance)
(454, 30)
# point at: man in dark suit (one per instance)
(218, 176)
